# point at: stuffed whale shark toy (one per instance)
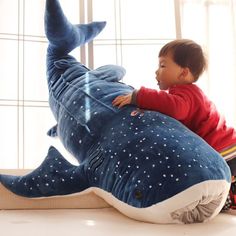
(147, 165)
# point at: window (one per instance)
(136, 30)
(212, 23)
(24, 111)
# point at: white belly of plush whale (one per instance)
(197, 203)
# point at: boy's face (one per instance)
(168, 73)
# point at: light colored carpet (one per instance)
(102, 222)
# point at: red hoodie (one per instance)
(188, 104)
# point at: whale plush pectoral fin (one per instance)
(62, 35)
(53, 131)
(55, 176)
(109, 73)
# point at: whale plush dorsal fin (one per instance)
(110, 73)
(62, 64)
(55, 176)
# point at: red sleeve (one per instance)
(176, 103)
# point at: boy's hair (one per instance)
(186, 53)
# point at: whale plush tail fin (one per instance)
(55, 176)
(62, 35)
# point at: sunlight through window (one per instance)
(135, 32)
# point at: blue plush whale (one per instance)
(147, 165)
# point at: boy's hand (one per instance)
(122, 100)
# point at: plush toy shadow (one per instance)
(147, 165)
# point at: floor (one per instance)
(102, 222)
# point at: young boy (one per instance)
(181, 62)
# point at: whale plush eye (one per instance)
(138, 194)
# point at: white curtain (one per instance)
(212, 23)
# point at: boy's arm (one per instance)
(176, 104)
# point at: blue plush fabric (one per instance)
(140, 157)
